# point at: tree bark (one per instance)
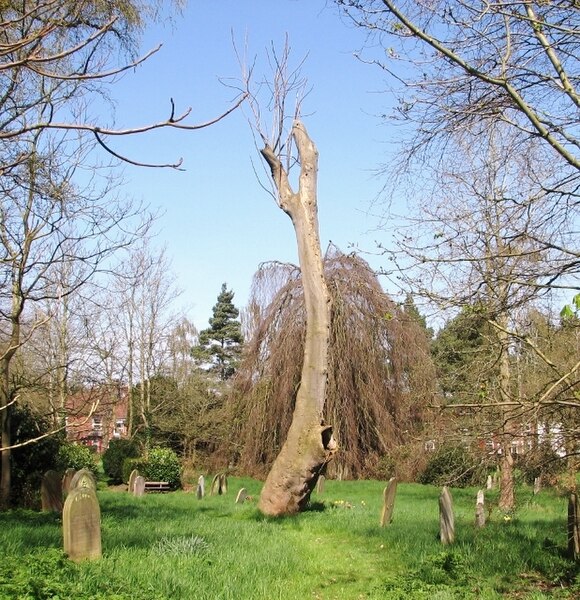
(309, 445)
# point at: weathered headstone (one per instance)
(537, 485)
(139, 486)
(81, 523)
(241, 497)
(320, 484)
(219, 484)
(574, 527)
(131, 483)
(83, 478)
(489, 483)
(446, 517)
(66, 480)
(480, 510)
(388, 501)
(51, 492)
(200, 487)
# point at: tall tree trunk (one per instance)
(506, 494)
(5, 409)
(309, 444)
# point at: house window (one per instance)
(97, 423)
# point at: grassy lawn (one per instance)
(175, 546)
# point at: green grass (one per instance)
(175, 546)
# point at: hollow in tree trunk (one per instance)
(309, 444)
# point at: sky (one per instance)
(218, 223)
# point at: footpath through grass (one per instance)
(174, 546)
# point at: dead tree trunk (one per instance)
(309, 444)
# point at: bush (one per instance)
(163, 464)
(30, 462)
(114, 457)
(452, 465)
(75, 456)
(544, 462)
(133, 463)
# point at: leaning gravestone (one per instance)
(67, 479)
(51, 492)
(446, 517)
(131, 483)
(139, 486)
(574, 527)
(241, 497)
(388, 501)
(81, 523)
(489, 483)
(219, 484)
(200, 487)
(83, 478)
(480, 510)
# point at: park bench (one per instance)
(156, 486)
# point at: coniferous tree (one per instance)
(221, 343)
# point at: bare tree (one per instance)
(309, 444)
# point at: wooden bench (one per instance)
(156, 486)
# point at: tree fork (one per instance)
(309, 445)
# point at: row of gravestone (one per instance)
(447, 517)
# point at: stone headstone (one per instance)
(573, 527)
(241, 497)
(83, 478)
(219, 484)
(51, 492)
(446, 517)
(81, 523)
(320, 484)
(139, 486)
(200, 487)
(388, 501)
(131, 483)
(480, 510)
(537, 485)
(66, 480)
(489, 483)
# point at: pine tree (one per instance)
(221, 343)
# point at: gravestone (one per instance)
(446, 517)
(241, 497)
(573, 527)
(81, 524)
(480, 510)
(489, 483)
(51, 492)
(537, 485)
(200, 487)
(219, 484)
(83, 478)
(320, 484)
(139, 486)
(66, 480)
(131, 483)
(388, 501)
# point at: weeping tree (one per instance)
(380, 375)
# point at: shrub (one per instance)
(30, 462)
(163, 464)
(452, 465)
(75, 456)
(114, 457)
(542, 461)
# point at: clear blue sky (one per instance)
(218, 223)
